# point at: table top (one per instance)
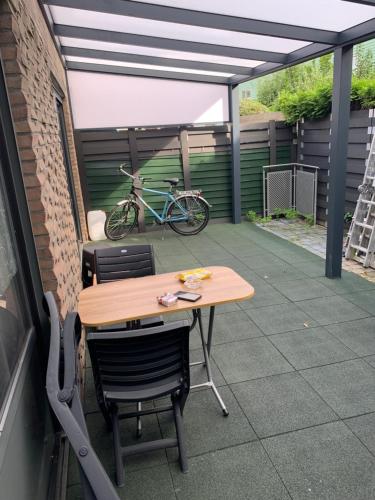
(135, 298)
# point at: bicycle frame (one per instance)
(169, 198)
(168, 195)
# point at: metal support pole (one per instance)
(234, 108)
(342, 75)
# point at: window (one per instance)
(14, 314)
(246, 94)
(68, 166)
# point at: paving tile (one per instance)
(326, 462)
(303, 289)
(313, 268)
(279, 273)
(281, 403)
(365, 300)
(262, 260)
(249, 359)
(363, 427)
(333, 309)
(370, 360)
(311, 347)
(202, 415)
(101, 440)
(198, 372)
(243, 473)
(348, 387)
(153, 484)
(232, 326)
(221, 309)
(348, 283)
(358, 335)
(265, 295)
(280, 318)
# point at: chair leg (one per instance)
(139, 421)
(120, 474)
(180, 434)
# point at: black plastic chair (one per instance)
(141, 365)
(118, 263)
(63, 392)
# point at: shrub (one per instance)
(291, 213)
(316, 103)
(309, 219)
(251, 107)
(251, 216)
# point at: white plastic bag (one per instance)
(95, 222)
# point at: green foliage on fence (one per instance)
(316, 103)
(251, 107)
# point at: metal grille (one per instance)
(279, 190)
(305, 192)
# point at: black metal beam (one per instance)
(201, 19)
(261, 70)
(167, 43)
(363, 2)
(342, 75)
(234, 107)
(150, 73)
(160, 61)
(359, 33)
(298, 56)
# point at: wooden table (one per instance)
(135, 298)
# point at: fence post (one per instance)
(342, 76)
(234, 108)
(272, 141)
(184, 147)
(133, 151)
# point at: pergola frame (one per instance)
(317, 42)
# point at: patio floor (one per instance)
(295, 366)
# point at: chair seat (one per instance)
(172, 181)
(142, 393)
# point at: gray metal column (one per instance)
(342, 76)
(234, 108)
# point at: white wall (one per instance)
(104, 100)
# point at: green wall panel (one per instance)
(210, 172)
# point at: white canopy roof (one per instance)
(216, 41)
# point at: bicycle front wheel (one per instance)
(189, 215)
(121, 220)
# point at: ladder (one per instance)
(361, 236)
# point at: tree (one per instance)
(251, 107)
(364, 66)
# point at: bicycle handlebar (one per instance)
(124, 171)
(142, 179)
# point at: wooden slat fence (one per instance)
(201, 158)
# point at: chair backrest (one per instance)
(116, 263)
(145, 363)
(62, 384)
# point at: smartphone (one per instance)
(189, 296)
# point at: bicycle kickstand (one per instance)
(162, 236)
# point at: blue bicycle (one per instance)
(186, 212)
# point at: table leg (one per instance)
(210, 383)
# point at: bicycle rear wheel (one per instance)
(121, 220)
(192, 211)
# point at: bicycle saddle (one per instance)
(172, 182)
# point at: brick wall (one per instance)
(32, 65)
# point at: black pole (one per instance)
(234, 106)
(342, 75)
